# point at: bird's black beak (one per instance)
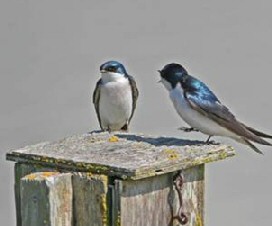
(160, 74)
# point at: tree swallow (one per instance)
(198, 106)
(115, 97)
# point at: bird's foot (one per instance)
(212, 142)
(188, 129)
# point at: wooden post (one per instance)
(46, 199)
(21, 170)
(120, 180)
(90, 199)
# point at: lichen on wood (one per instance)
(90, 199)
(128, 156)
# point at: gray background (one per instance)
(50, 52)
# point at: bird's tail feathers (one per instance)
(253, 147)
(258, 133)
(254, 135)
(257, 139)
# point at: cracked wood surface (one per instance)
(129, 156)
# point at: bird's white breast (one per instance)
(193, 117)
(115, 104)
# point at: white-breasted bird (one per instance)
(200, 108)
(115, 97)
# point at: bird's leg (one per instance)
(208, 141)
(188, 129)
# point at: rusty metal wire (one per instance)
(178, 182)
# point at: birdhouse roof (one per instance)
(124, 155)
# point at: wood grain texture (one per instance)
(144, 202)
(90, 199)
(127, 156)
(193, 196)
(46, 199)
(21, 170)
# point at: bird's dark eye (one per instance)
(111, 68)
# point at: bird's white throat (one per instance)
(166, 84)
(112, 77)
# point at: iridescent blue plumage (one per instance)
(113, 66)
(202, 110)
(176, 73)
(197, 88)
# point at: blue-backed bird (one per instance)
(115, 97)
(198, 106)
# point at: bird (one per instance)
(200, 108)
(115, 97)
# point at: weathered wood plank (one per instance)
(90, 199)
(129, 156)
(144, 202)
(192, 195)
(22, 170)
(46, 199)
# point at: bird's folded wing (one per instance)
(135, 94)
(221, 114)
(96, 97)
(212, 109)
